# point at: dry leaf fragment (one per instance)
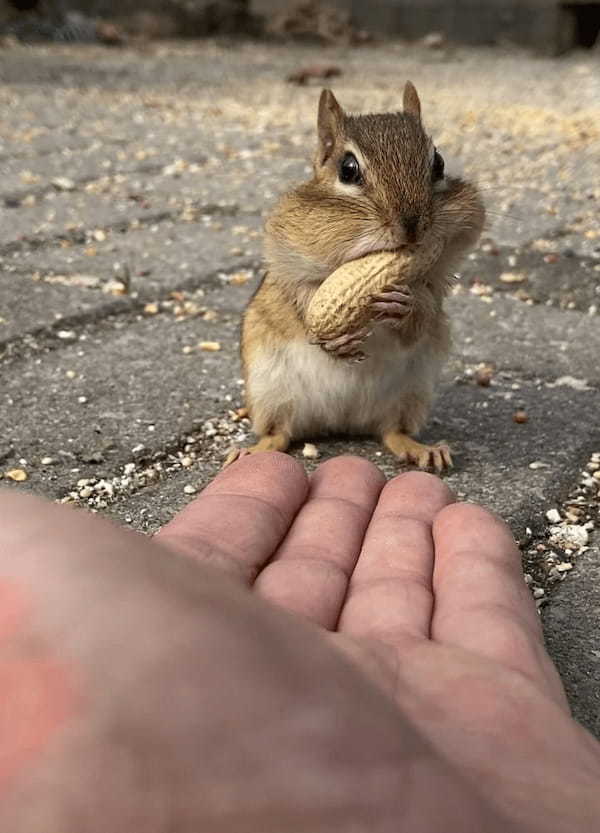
(520, 416)
(151, 308)
(114, 288)
(239, 278)
(16, 474)
(512, 277)
(316, 71)
(209, 346)
(481, 289)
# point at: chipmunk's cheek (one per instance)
(37, 696)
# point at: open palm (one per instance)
(427, 596)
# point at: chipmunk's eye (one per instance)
(349, 170)
(437, 169)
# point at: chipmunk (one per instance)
(378, 184)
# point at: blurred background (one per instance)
(549, 26)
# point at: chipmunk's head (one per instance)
(379, 183)
(382, 176)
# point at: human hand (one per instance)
(185, 701)
(427, 596)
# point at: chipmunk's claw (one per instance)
(392, 305)
(346, 346)
(432, 457)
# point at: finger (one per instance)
(238, 521)
(390, 597)
(482, 603)
(390, 307)
(345, 341)
(309, 574)
(399, 292)
(393, 297)
(347, 350)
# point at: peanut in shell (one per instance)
(342, 303)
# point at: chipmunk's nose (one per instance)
(411, 225)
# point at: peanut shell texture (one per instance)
(342, 303)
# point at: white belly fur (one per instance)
(321, 394)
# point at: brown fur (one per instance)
(318, 226)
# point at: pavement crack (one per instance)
(207, 439)
(81, 237)
(67, 330)
(10, 198)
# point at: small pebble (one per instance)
(434, 40)
(311, 451)
(553, 515)
(63, 183)
(189, 489)
(520, 417)
(538, 592)
(484, 375)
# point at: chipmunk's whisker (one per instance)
(516, 218)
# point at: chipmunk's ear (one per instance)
(410, 101)
(330, 124)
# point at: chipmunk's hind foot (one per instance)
(436, 457)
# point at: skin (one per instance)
(333, 654)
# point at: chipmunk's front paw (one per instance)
(346, 346)
(392, 306)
